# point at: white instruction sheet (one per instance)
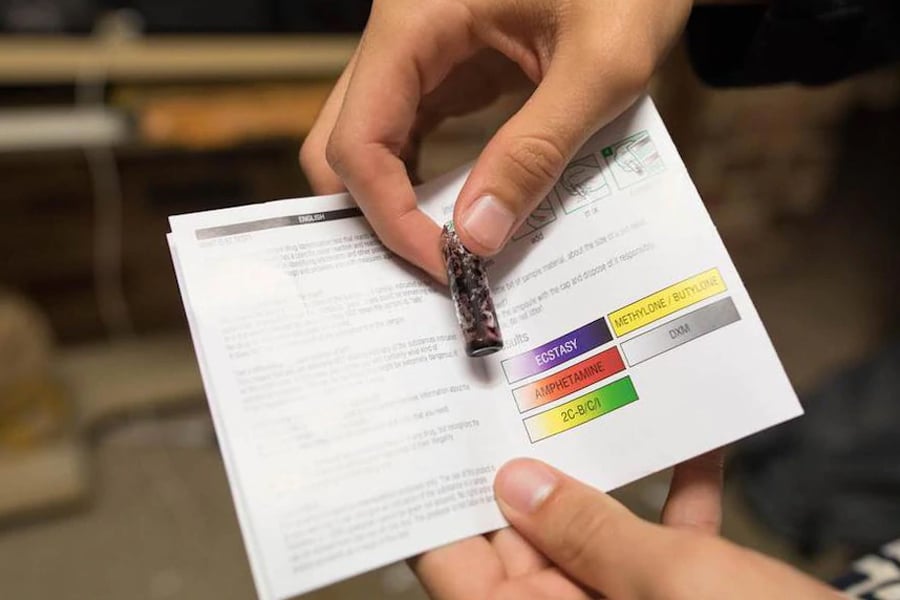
(356, 432)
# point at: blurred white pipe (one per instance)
(61, 128)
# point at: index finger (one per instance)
(695, 494)
(469, 568)
(407, 51)
(312, 153)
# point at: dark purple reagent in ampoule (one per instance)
(471, 295)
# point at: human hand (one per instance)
(570, 541)
(420, 62)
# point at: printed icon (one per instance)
(540, 217)
(582, 183)
(634, 159)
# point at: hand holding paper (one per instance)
(421, 62)
(571, 542)
(355, 430)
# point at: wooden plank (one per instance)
(59, 59)
(43, 478)
(122, 377)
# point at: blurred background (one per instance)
(115, 114)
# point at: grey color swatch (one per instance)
(680, 331)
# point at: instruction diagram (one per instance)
(582, 183)
(585, 180)
(540, 217)
(634, 159)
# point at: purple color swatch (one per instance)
(556, 352)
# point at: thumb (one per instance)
(523, 160)
(586, 533)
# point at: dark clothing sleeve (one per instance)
(801, 41)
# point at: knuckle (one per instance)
(398, 242)
(627, 62)
(535, 161)
(394, 241)
(695, 557)
(679, 568)
(704, 523)
(380, 5)
(310, 151)
(639, 69)
(420, 20)
(392, 16)
(337, 152)
(585, 525)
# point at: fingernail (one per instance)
(525, 485)
(489, 222)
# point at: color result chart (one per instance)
(580, 376)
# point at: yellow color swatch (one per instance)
(667, 301)
(581, 410)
